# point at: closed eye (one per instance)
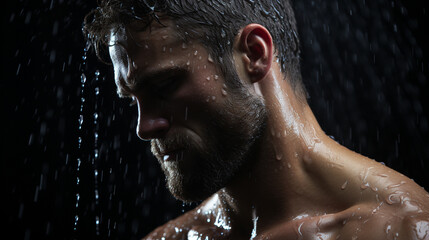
(166, 87)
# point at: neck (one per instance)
(279, 175)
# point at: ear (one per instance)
(256, 46)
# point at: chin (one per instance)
(189, 190)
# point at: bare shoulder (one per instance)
(175, 229)
(199, 223)
(395, 207)
(384, 221)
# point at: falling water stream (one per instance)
(80, 135)
(94, 156)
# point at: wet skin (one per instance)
(300, 184)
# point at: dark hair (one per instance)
(214, 23)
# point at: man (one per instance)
(220, 97)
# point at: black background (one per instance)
(365, 64)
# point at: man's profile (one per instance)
(220, 96)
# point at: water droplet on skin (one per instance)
(279, 156)
(188, 63)
(299, 230)
(289, 165)
(393, 198)
(196, 52)
(344, 185)
(184, 45)
(208, 78)
(364, 186)
(216, 77)
(388, 228)
(224, 93)
(164, 37)
(396, 185)
(210, 59)
(213, 98)
(146, 46)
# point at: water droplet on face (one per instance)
(213, 98)
(224, 93)
(164, 37)
(164, 49)
(196, 52)
(210, 59)
(344, 185)
(279, 155)
(216, 77)
(208, 78)
(184, 45)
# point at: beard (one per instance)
(229, 141)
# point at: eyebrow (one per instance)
(140, 80)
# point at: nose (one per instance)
(150, 126)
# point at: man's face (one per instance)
(201, 132)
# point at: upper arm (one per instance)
(415, 227)
(390, 225)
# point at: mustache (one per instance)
(160, 147)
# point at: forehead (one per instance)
(140, 34)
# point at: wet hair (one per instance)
(213, 23)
